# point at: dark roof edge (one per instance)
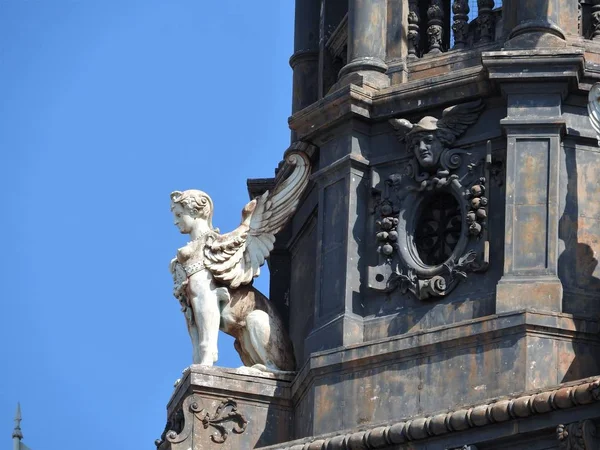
(567, 395)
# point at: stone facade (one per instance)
(439, 278)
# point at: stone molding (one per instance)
(243, 383)
(583, 392)
(470, 80)
(352, 100)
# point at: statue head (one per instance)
(190, 206)
(428, 138)
(424, 142)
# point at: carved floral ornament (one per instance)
(432, 215)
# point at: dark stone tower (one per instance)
(440, 277)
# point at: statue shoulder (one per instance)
(193, 249)
(187, 251)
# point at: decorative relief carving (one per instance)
(225, 420)
(226, 413)
(432, 217)
(178, 428)
(596, 20)
(578, 436)
(174, 425)
(593, 108)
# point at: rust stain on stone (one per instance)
(531, 165)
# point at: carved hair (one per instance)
(196, 202)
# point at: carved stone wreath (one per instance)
(432, 224)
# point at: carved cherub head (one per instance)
(189, 206)
(429, 137)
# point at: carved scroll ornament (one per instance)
(179, 429)
(432, 216)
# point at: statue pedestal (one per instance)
(227, 409)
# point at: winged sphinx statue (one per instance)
(213, 272)
(594, 109)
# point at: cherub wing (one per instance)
(456, 119)
(235, 258)
(593, 107)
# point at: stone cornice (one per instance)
(352, 100)
(261, 386)
(327, 112)
(539, 65)
(457, 85)
(501, 410)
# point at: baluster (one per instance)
(413, 29)
(596, 20)
(579, 19)
(435, 31)
(485, 21)
(461, 9)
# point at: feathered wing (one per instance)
(401, 127)
(235, 258)
(456, 119)
(593, 107)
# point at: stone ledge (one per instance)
(495, 411)
(424, 342)
(240, 383)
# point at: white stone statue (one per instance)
(213, 272)
(594, 109)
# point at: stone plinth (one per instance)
(227, 409)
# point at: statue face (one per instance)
(427, 148)
(183, 220)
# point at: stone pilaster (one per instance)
(534, 85)
(343, 190)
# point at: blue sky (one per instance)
(106, 106)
